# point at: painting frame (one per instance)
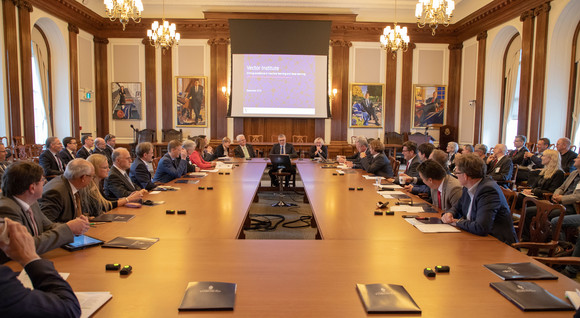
(197, 114)
(360, 114)
(428, 111)
(127, 100)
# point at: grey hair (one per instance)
(117, 152)
(188, 144)
(77, 168)
(362, 140)
(239, 136)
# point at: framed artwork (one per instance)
(429, 105)
(366, 105)
(127, 100)
(191, 101)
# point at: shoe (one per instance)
(568, 273)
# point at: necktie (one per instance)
(408, 163)
(493, 163)
(439, 199)
(282, 150)
(32, 221)
(246, 153)
(78, 208)
(58, 162)
(72, 154)
(129, 180)
(469, 209)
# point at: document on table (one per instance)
(369, 177)
(220, 165)
(25, 279)
(212, 170)
(432, 228)
(92, 301)
(390, 186)
(406, 208)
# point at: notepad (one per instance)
(138, 243)
(432, 228)
(386, 298)
(515, 271)
(91, 301)
(209, 296)
(111, 217)
(529, 296)
(407, 208)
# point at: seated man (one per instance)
(49, 159)
(363, 151)
(223, 150)
(319, 150)
(378, 163)
(445, 189)
(139, 172)
(410, 154)
(111, 141)
(518, 155)
(482, 209)
(52, 295)
(243, 150)
(118, 184)
(568, 156)
(101, 149)
(481, 151)
(441, 157)
(61, 200)
(417, 185)
(569, 192)
(173, 164)
(533, 161)
(3, 162)
(22, 186)
(86, 149)
(282, 148)
(452, 150)
(189, 146)
(499, 166)
(69, 151)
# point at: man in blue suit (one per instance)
(173, 165)
(139, 172)
(482, 209)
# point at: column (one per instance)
(150, 86)
(339, 109)
(527, 18)
(537, 109)
(11, 60)
(479, 89)
(73, 54)
(219, 77)
(102, 90)
(407, 89)
(454, 87)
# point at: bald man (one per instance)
(119, 184)
(499, 165)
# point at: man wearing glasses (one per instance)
(482, 209)
(22, 186)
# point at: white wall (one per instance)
(86, 67)
(468, 91)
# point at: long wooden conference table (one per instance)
(281, 278)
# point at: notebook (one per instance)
(529, 296)
(138, 243)
(386, 298)
(517, 271)
(209, 296)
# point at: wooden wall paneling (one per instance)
(480, 85)
(526, 70)
(219, 122)
(537, 108)
(319, 128)
(339, 120)
(11, 59)
(77, 14)
(572, 86)
(150, 86)
(407, 89)
(73, 55)
(454, 87)
(239, 127)
(24, 9)
(390, 92)
(166, 89)
(101, 86)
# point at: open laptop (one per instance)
(281, 161)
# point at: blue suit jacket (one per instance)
(48, 162)
(140, 175)
(52, 296)
(168, 170)
(490, 213)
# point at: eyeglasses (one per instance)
(456, 172)
(42, 181)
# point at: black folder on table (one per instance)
(136, 243)
(386, 298)
(519, 271)
(209, 296)
(110, 217)
(529, 296)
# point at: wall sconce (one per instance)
(332, 94)
(226, 92)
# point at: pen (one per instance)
(97, 223)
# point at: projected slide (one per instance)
(279, 85)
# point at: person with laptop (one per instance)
(282, 148)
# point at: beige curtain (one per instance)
(43, 72)
(512, 70)
(576, 113)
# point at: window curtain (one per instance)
(512, 71)
(576, 113)
(43, 72)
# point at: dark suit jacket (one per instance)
(502, 170)
(167, 170)
(57, 200)
(379, 165)
(411, 171)
(48, 162)
(517, 156)
(289, 150)
(140, 175)
(96, 150)
(324, 154)
(542, 185)
(568, 161)
(452, 191)
(109, 154)
(490, 213)
(83, 153)
(220, 151)
(356, 159)
(239, 153)
(535, 161)
(50, 235)
(52, 295)
(117, 186)
(65, 156)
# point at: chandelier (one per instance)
(396, 38)
(163, 35)
(124, 10)
(434, 12)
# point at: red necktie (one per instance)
(34, 226)
(439, 198)
(58, 162)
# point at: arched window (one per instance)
(574, 96)
(511, 89)
(41, 85)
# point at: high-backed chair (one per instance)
(299, 139)
(395, 164)
(155, 162)
(171, 134)
(145, 135)
(17, 141)
(4, 140)
(393, 138)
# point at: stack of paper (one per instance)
(407, 208)
(91, 301)
(432, 228)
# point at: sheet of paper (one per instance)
(386, 196)
(154, 192)
(437, 228)
(212, 170)
(406, 208)
(369, 177)
(342, 166)
(92, 301)
(197, 174)
(390, 186)
(25, 279)
(413, 221)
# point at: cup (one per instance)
(378, 181)
(402, 180)
(4, 233)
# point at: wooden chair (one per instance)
(299, 139)
(573, 148)
(542, 235)
(18, 141)
(511, 198)
(255, 138)
(392, 137)
(2, 141)
(531, 146)
(510, 184)
(274, 138)
(36, 150)
(552, 146)
(192, 138)
(171, 134)
(420, 138)
(21, 153)
(145, 135)
(395, 164)
(155, 162)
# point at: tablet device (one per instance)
(82, 242)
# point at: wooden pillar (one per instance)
(339, 121)
(73, 54)
(479, 88)
(454, 88)
(219, 77)
(24, 9)
(390, 92)
(150, 86)
(537, 109)
(527, 18)
(166, 89)
(102, 87)
(407, 89)
(11, 59)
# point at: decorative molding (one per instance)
(340, 43)
(218, 41)
(73, 28)
(412, 45)
(73, 12)
(455, 46)
(528, 14)
(23, 4)
(544, 8)
(482, 36)
(100, 40)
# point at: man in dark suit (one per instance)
(139, 172)
(378, 163)
(85, 151)
(118, 184)
(68, 153)
(416, 184)
(368, 107)
(243, 150)
(22, 186)
(50, 160)
(413, 161)
(101, 149)
(568, 156)
(499, 165)
(111, 142)
(195, 97)
(482, 209)
(363, 151)
(61, 200)
(52, 295)
(518, 155)
(445, 189)
(172, 165)
(282, 148)
(532, 164)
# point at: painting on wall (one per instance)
(429, 105)
(366, 105)
(191, 101)
(127, 100)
